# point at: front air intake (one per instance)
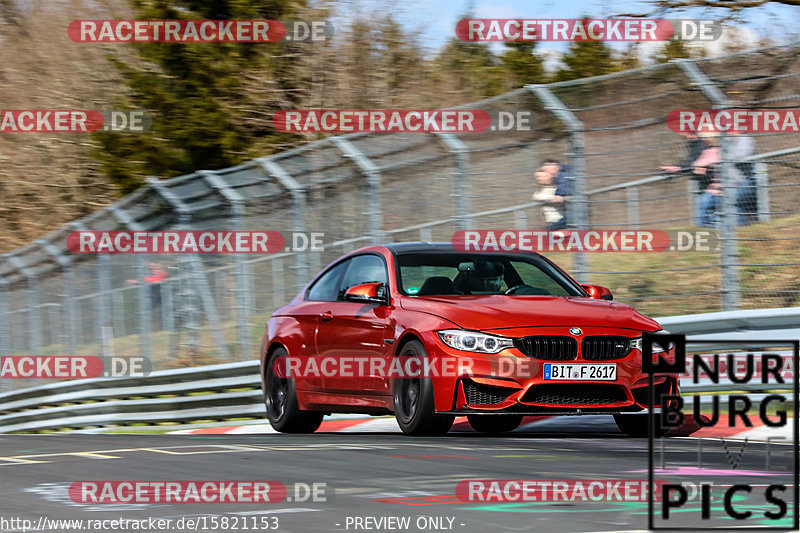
(575, 394)
(478, 394)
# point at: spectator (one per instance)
(742, 146)
(155, 275)
(554, 188)
(694, 147)
(705, 173)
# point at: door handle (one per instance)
(326, 316)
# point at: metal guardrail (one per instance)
(233, 391)
(215, 392)
(750, 324)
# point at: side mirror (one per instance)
(597, 292)
(374, 293)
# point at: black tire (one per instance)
(280, 398)
(494, 423)
(636, 425)
(413, 400)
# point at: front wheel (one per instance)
(494, 423)
(280, 398)
(413, 400)
(636, 425)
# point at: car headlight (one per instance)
(636, 344)
(472, 341)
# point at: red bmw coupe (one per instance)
(429, 333)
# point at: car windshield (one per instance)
(452, 274)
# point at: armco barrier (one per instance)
(216, 392)
(227, 391)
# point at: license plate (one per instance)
(580, 372)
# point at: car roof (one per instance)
(434, 247)
(420, 246)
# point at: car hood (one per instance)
(492, 312)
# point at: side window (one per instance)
(324, 290)
(363, 269)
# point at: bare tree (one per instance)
(728, 4)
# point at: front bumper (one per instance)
(512, 382)
(475, 395)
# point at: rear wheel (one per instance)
(636, 425)
(494, 423)
(413, 400)
(280, 398)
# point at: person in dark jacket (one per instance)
(694, 147)
(555, 187)
(706, 173)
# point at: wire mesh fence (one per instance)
(609, 132)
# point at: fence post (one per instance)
(188, 310)
(691, 189)
(731, 291)
(168, 313)
(33, 297)
(578, 207)
(118, 299)
(278, 286)
(103, 307)
(729, 257)
(145, 304)
(762, 191)
(53, 322)
(5, 329)
(520, 220)
(75, 335)
(373, 175)
(192, 266)
(299, 209)
(633, 206)
(237, 203)
(461, 184)
(67, 300)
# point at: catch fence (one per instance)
(389, 187)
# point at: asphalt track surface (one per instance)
(366, 475)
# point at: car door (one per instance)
(359, 331)
(308, 315)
